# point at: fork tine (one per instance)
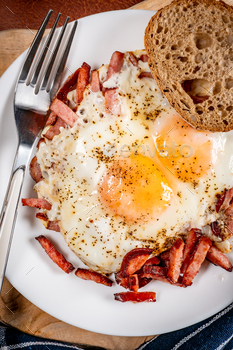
(34, 47)
(54, 54)
(55, 83)
(48, 41)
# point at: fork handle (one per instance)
(10, 206)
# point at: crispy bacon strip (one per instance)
(133, 59)
(153, 261)
(83, 80)
(55, 129)
(54, 254)
(165, 257)
(149, 271)
(143, 281)
(144, 58)
(130, 282)
(135, 297)
(229, 226)
(51, 119)
(134, 260)
(229, 211)
(42, 216)
(115, 64)
(53, 225)
(197, 259)
(93, 276)
(218, 258)
(37, 203)
(220, 201)
(145, 75)
(35, 170)
(189, 248)
(95, 81)
(64, 112)
(112, 104)
(226, 200)
(215, 229)
(68, 86)
(158, 273)
(176, 259)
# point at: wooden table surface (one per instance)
(16, 310)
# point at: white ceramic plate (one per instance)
(82, 303)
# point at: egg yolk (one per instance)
(186, 152)
(135, 189)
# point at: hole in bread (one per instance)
(199, 110)
(224, 114)
(225, 121)
(183, 59)
(229, 108)
(174, 47)
(229, 83)
(211, 108)
(196, 69)
(152, 35)
(188, 49)
(197, 89)
(159, 29)
(220, 107)
(225, 19)
(202, 41)
(217, 88)
(198, 58)
(184, 9)
(162, 47)
(157, 42)
(194, 119)
(168, 56)
(166, 30)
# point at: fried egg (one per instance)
(138, 179)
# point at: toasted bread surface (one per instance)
(190, 49)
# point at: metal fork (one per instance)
(31, 104)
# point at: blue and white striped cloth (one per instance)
(214, 333)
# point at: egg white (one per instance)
(74, 161)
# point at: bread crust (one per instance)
(192, 41)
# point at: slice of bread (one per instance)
(190, 49)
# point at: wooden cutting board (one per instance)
(15, 41)
(16, 310)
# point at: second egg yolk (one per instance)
(187, 153)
